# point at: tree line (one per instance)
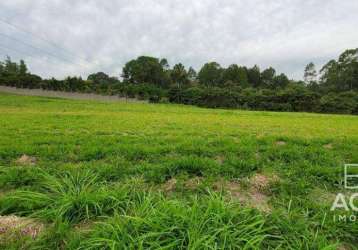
(332, 89)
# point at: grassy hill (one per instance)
(101, 175)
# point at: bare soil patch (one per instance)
(328, 146)
(26, 160)
(263, 182)
(254, 192)
(280, 143)
(220, 159)
(190, 184)
(255, 195)
(193, 183)
(10, 225)
(170, 185)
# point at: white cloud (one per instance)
(103, 35)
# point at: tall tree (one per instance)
(341, 75)
(11, 67)
(254, 76)
(348, 62)
(164, 63)
(179, 75)
(210, 74)
(2, 68)
(281, 81)
(310, 74)
(192, 74)
(22, 68)
(329, 74)
(231, 73)
(268, 77)
(99, 77)
(243, 77)
(145, 69)
(236, 75)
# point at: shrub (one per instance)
(338, 103)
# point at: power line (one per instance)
(21, 53)
(4, 47)
(49, 62)
(16, 50)
(41, 38)
(42, 50)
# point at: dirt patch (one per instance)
(10, 225)
(262, 182)
(328, 146)
(193, 183)
(254, 192)
(238, 193)
(259, 182)
(220, 159)
(280, 143)
(259, 187)
(170, 185)
(258, 200)
(344, 247)
(190, 184)
(26, 160)
(254, 196)
(234, 188)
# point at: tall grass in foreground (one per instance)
(69, 197)
(156, 223)
(126, 217)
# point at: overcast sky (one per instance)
(67, 37)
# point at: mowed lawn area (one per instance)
(80, 174)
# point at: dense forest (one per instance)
(332, 89)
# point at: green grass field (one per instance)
(154, 176)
